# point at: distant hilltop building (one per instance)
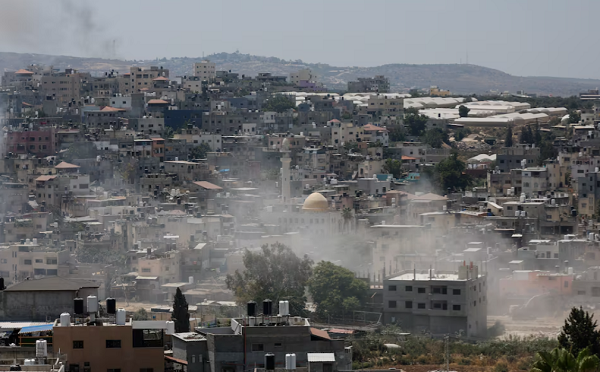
(435, 91)
(378, 84)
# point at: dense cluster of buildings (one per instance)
(131, 185)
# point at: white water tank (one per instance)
(65, 319)
(191, 280)
(522, 198)
(92, 304)
(41, 349)
(170, 327)
(287, 307)
(251, 321)
(121, 316)
(553, 201)
(517, 213)
(290, 362)
(570, 271)
(29, 362)
(34, 241)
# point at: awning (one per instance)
(37, 328)
(175, 360)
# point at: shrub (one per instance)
(501, 367)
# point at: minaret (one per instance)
(285, 172)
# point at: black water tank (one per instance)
(267, 307)
(1, 284)
(251, 308)
(78, 306)
(269, 362)
(111, 306)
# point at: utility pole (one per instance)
(447, 352)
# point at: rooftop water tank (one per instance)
(41, 349)
(121, 316)
(170, 327)
(65, 319)
(92, 304)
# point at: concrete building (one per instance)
(439, 303)
(244, 344)
(205, 70)
(133, 346)
(42, 299)
(378, 84)
(144, 78)
(510, 157)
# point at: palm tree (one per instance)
(347, 216)
(561, 360)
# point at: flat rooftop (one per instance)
(436, 276)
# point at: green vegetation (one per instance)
(461, 133)
(561, 360)
(435, 138)
(579, 332)
(141, 314)
(393, 167)
(274, 273)
(416, 123)
(511, 354)
(335, 290)
(463, 111)
(448, 174)
(278, 103)
(574, 117)
(396, 133)
(199, 152)
(180, 314)
(508, 140)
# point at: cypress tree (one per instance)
(180, 314)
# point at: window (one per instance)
(392, 304)
(278, 345)
(420, 290)
(51, 261)
(113, 344)
(408, 288)
(113, 370)
(421, 305)
(77, 344)
(28, 262)
(456, 292)
(456, 307)
(391, 288)
(408, 304)
(146, 270)
(258, 347)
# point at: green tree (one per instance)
(537, 136)
(396, 133)
(461, 133)
(579, 332)
(180, 314)
(574, 116)
(393, 167)
(416, 123)
(463, 111)
(274, 273)
(526, 135)
(562, 360)
(141, 314)
(199, 152)
(449, 174)
(508, 141)
(435, 138)
(335, 290)
(278, 103)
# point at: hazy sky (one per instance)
(521, 37)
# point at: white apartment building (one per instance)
(29, 260)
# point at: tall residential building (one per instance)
(378, 84)
(205, 70)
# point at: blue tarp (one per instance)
(224, 170)
(37, 328)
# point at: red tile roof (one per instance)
(65, 165)
(161, 78)
(207, 185)
(23, 72)
(45, 178)
(111, 109)
(157, 102)
(319, 333)
(373, 128)
(404, 157)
